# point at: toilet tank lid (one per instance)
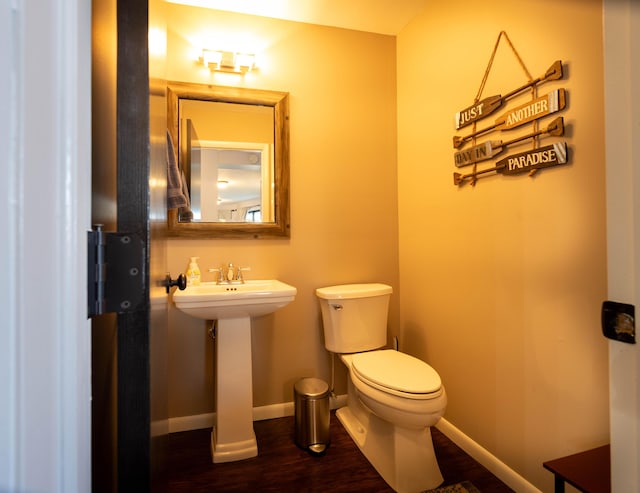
(346, 291)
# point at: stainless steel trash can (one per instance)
(311, 405)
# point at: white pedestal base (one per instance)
(232, 451)
(233, 437)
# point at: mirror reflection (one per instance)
(228, 160)
(232, 148)
(227, 183)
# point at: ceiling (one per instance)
(377, 16)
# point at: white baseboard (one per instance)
(488, 460)
(199, 421)
(480, 454)
(193, 422)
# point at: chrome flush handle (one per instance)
(336, 307)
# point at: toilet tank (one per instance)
(354, 316)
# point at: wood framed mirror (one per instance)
(236, 137)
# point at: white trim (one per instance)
(194, 422)
(485, 458)
(200, 421)
(273, 411)
(45, 420)
(480, 454)
(74, 221)
(621, 21)
(8, 247)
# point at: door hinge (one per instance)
(115, 280)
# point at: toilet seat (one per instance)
(397, 373)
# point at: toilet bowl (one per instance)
(393, 398)
(397, 387)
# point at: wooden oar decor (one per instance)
(531, 112)
(484, 108)
(543, 157)
(490, 149)
(528, 112)
(459, 178)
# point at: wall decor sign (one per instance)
(542, 157)
(532, 112)
(491, 104)
(490, 149)
(528, 112)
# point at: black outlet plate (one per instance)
(619, 321)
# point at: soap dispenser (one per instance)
(193, 272)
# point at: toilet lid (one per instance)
(397, 371)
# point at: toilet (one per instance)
(393, 399)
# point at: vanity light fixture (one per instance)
(227, 61)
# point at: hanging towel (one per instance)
(185, 213)
(177, 193)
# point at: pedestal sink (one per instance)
(233, 305)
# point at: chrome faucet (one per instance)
(229, 274)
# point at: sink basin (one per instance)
(254, 298)
(233, 306)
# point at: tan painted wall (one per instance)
(502, 282)
(343, 195)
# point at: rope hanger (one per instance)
(534, 92)
(493, 55)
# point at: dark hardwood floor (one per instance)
(283, 467)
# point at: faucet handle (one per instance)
(220, 276)
(239, 276)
